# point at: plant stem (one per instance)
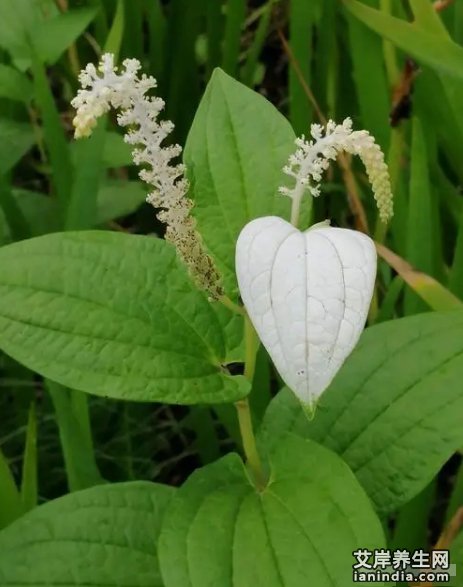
(244, 411)
(249, 443)
(228, 303)
(295, 208)
(251, 343)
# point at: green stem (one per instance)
(251, 343)
(228, 303)
(295, 209)
(249, 443)
(244, 411)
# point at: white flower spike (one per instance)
(106, 87)
(307, 295)
(313, 157)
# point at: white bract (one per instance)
(307, 295)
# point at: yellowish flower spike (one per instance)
(104, 88)
(313, 157)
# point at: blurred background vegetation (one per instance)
(395, 67)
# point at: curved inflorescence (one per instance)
(104, 88)
(313, 157)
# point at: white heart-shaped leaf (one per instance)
(307, 295)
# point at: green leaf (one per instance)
(14, 85)
(4, 228)
(75, 438)
(55, 138)
(55, 35)
(119, 198)
(15, 224)
(303, 18)
(394, 410)
(115, 199)
(18, 19)
(115, 315)
(101, 536)
(366, 51)
(427, 16)
(38, 209)
(17, 139)
(29, 29)
(116, 33)
(81, 211)
(423, 238)
(116, 152)
(251, 66)
(436, 296)
(235, 16)
(29, 491)
(234, 154)
(435, 50)
(456, 555)
(299, 530)
(10, 498)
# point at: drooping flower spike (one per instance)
(308, 293)
(313, 157)
(104, 88)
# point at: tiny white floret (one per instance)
(307, 295)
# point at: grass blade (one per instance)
(133, 26)
(18, 225)
(29, 491)
(248, 74)
(180, 77)
(10, 500)
(79, 458)
(235, 15)
(88, 165)
(423, 241)
(157, 29)
(215, 23)
(116, 32)
(55, 139)
(456, 272)
(370, 80)
(436, 296)
(303, 17)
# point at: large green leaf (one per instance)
(394, 410)
(299, 530)
(234, 154)
(104, 536)
(115, 315)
